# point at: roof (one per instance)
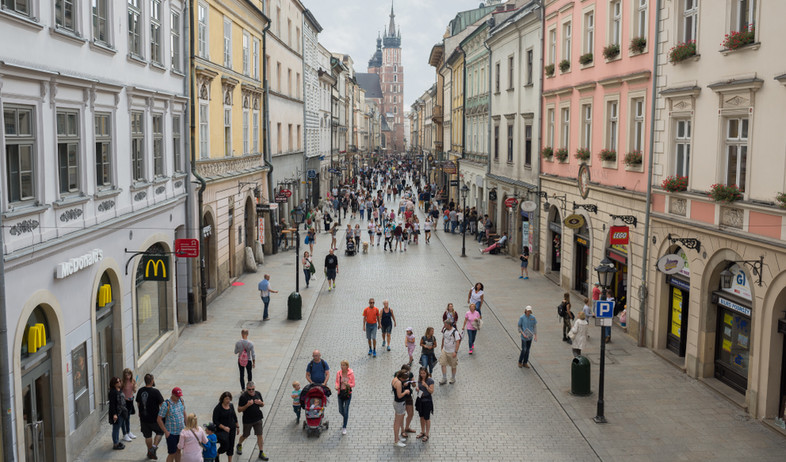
(369, 83)
(466, 18)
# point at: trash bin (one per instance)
(580, 376)
(294, 305)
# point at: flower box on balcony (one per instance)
(633, 158)
(583, 154)
(675, 183)
(585, 59)
(611, 51)
(637, 45)
(724, 193)
(738, 39)
(561, 154)
(547, 153)
(682, 51)
(607, 155)
(564, 65)
(549, 70)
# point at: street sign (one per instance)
(311, 174)
(603, 322)
(188, 248)
(281, 198)
(511, 202)
(286, 192)
(454, 182)
(619, 235)
(604, 309)
(156, 267)
(333, 170)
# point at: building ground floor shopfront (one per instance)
(710, 316)
(473, 175)
(288, 175)
(93, 309)
(520, 225)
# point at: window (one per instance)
(615, 20)
(682, 147)
(496, 78)
(137, 146)
(550, 118)
(278, 138)
(227, 43)
(552, 46)
(64, 15)
(174, 40)
(278, 77)
(177, 149)
(278, 21)
(742, 14)
(589, 32)
(103, 137)
(155, 32)
(255, 58)
(289, 138)
(736, 151)
(510, 73)
(19, 155)
(586, 126)
(202, 31)
(528, 144)
(158, 145)
(496, 142)
(18, 6)
(204, 131)
(297, 86)
(289, 33)
(565, 126)
(246, 54)
(227, 132)
(289, 82)
(100, 22)
(612, 122)
(68, 151)
(510, 143)
(80, 384)
(530, 57)
(637, 124)
(640, 19)
(690, 18)
(245, 132)
(134, 27)
(255, 132)
(299, 143)
(153, 298)
(566, 40)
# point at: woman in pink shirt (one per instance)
(472, 317)
(190, 437)
(345, 382)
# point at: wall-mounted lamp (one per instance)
(756, 267)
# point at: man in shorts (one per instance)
(331, 269)
(148, 400)
(172, 421)
(371, 320)
(451, 339)
(250, 404)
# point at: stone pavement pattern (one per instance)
(495, 411)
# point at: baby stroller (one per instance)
(351, 248)
(313, 400)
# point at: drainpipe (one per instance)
(189, 199)
(643, 292)
(536, 241)
(202, 182)
(5, 372)
(266, 155)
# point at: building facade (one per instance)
(312, 96)
(93, 164)
(386, 62)
(327, 81)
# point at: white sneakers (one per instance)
(127, 437)
(400, 444)
(133, 437)
(343, 431)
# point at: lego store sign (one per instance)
(67, 268)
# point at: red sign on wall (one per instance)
(619, 235)
(188, 248)
(511, 202)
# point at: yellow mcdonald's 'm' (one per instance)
(104, 295)
(155, 264)
(36, 337)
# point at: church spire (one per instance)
(392, 27)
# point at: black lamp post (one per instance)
(464, 191)
(294, 302)
(605, 272)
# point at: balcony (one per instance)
(436, 114)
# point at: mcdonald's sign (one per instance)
(104, 295)
(36, 337)
(155, 267)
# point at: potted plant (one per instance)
(561, 154)
(564, 65)
(633, 158)
(725, 193)
(547, 152)
(738, 39)
(611, 51)
(586, 58)
(549, 70)
(682, 51)
(608, 155)
(675, 183)
(583, 154)
(638, 44)
(781, 198)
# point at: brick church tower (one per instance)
(386, 62)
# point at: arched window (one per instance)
(37, 337)
(152, 303)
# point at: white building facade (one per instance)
(313, 105)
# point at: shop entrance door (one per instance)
(580, 269)
(782, 402)
(732, 350)
(37, 413)
(106, 366)
(678, 321)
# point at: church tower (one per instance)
(386, 62)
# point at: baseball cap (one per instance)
(528, 308)
(409, 329)
(177, 392)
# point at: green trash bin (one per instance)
(580, 376)
(294, 305)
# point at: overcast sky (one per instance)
(351, 27)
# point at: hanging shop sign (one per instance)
(529, 206)
(261, 229)
(740, 284)
(619, 235)
(511, 202)
(281, 198)
(493, 195)
(188, 248)
(156, 267)
(67, 268)
(449, 167)
(286, 192)
(574, 221)
(670, 264)
(36, 337)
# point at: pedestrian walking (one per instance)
(409, 342)
(371, 320)
(371, 230)
(118, 413)
(451, 340)
(191, 440)
(409, 402)
(356, 235)
(317, 370)
(264, 292)
(427, 225)
(311, 237)
(129, 389)
(225, 420)
(475, 296)
(427, 344)
(345, 382)
(210, 449)
(563, 310)
(424, 403)
(172, 420)
(399, 393)
(474, 319)
(250, 404)
(578, 334)
(587, 312)
(295, 395)
(528, 328)
(524, 257)
(246, 357)
(308, 267)
(450, 315)
(148, 400)
(387, 320)
(333, 232)
(331, 269)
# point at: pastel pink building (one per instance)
(597, 87)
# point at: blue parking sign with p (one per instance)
(604, 309)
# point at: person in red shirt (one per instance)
(596, 292)
(371, 320)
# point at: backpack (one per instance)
(243, 359)
(562, 310)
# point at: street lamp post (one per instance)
(294, 302)
(464, 191)
(605, 272)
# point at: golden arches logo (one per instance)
(36, 337)
(155, 264)
(156, 267)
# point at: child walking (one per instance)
(296, 400)
(210, 449)
(409, 341)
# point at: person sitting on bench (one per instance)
(500, 243)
